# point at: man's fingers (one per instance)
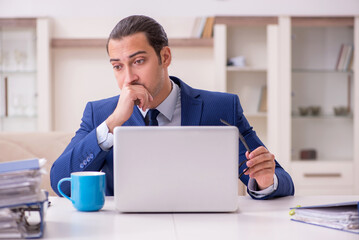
(258, 151)
(260, 158)
(139, 95)
(146, 101)
(262, 172)
(261, 166)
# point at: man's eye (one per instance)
(139, 61)
(117, 67)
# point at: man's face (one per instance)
(135, 62)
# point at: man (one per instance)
(140, 56)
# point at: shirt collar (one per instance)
(168, 106)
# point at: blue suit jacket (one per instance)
(198, 108)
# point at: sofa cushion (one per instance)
(48, 145)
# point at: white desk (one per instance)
(254, 220)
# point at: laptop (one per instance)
(176, 169)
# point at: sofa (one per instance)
(48, 145)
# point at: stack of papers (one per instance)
(22, 202)
(24, 220)
(340, 216)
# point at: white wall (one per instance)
(82, 75)
(116, 8)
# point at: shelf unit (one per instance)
(308, 77)
(252, 38)
(25, 103)
(298, 58)
(245, 69)
(101, 42)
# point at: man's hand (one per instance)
(130, 95)
(261, 167)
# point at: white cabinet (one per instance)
(24, 75)
(296, 58)
(318, 178)
(312, 128)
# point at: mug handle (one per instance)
(60, 191)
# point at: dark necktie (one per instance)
(151, 117)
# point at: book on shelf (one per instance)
(339, 57)
(349, 59)
(198, 27)
(345, 58)
(262, 106)
(208, 28)
(203, 27)
(339, 216)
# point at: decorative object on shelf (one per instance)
(239, 61)
(341, 111)
(20, 60)
(314, 110)
(262, 107)
(308, 154)
(303, 111)
(310, 110)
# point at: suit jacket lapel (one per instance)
(191, 104)
(191, 111)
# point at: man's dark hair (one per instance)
(156, 35)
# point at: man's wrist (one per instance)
(261, 187)
(253, 188)
(104, 137)
(111, 123)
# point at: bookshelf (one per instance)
(201, 36)
(101, 42)
(247, 38)
(24, 75)
(297, 58)
(309, 61)
(245, 69)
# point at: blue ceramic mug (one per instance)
(87, 190)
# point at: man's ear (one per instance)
(166, 56)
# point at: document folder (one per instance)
(20, 181)
(24, 220)
(22, 202)
(340, 216)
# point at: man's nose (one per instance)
(131, 77)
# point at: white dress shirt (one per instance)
(170, 115)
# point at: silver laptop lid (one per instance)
(176, 169)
